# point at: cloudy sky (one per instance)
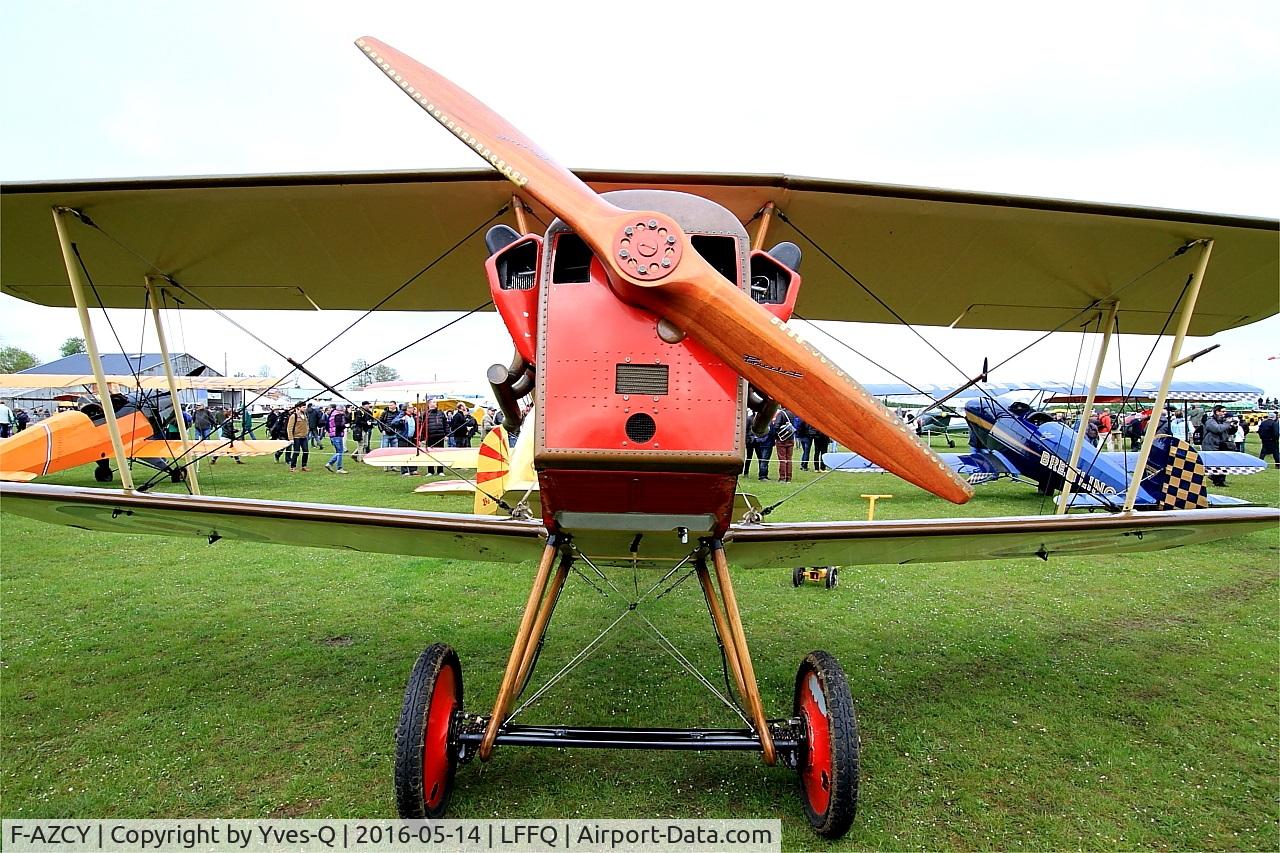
(1168, 105)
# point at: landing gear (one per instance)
(178, 475)
(819, 740)
(102, 473)
(797, 576)
(828, 760)
(427, 746)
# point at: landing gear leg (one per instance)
(734, 641)
(537, 612)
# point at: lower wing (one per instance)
(159, 448)
(974, 467)
(1214, 461)
(495, 539)
(397, 457)
(938, 540)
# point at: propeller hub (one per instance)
(649, 247)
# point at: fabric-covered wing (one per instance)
(394, 457)
(336, 241)
(157, 448)
(950, 539)
(974, 467)
(379, 531)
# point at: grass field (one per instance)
(1121, 702)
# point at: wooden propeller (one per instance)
(652, 264)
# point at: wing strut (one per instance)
(1175, 354)
(178, 419)
(1109, 324)
(75, 276)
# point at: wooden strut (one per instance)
(722, 628)
(766, 219)
(515, 663)
(517, 206)
(751, 691)
(548, 606)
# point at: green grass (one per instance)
(1116, 702)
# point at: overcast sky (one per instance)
(1161, 104)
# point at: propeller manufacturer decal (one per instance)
(756, 361)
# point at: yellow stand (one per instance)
(871, 507)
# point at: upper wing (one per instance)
(938, 540)
(379, 531)
(147, 383)
(346, 241)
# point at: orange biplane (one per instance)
(643, 317)
(144, 416)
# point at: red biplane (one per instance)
(643, 317)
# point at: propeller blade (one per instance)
(762, 350)
(645, 249)
(508, 150)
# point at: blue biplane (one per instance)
(1016, 441)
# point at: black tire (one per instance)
(797, 576)
(830, 793)
(833, 577)
(177, 475)
(419, 730)
(102, 472)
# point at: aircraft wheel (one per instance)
(426, 736)
(828, 763)
(833, 577)
(102, 472)
(178, 475)
(797, 576)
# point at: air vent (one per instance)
(648, 379)
(641, 428)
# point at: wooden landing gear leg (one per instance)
(537, 613)
(728, 626)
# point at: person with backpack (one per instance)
(785, 431)
(435, 431)
(804, 434)
(229, 433)
(337, 437)
(298, 430)
(278, 430)
(405, 426)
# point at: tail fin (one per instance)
(1175, 475)
(493, 466)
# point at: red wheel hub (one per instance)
(815, 772)
(435, 744)
(649, 247)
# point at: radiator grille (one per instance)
(650, 379)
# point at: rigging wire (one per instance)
(299, 366)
